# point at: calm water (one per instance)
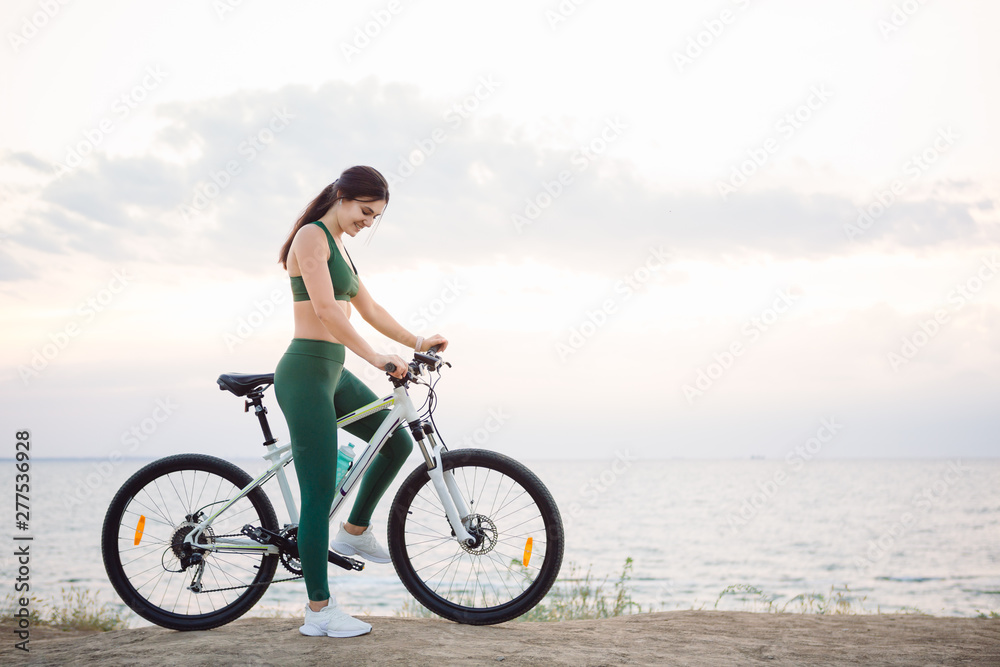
(906, 534)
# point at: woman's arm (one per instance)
(380, 319)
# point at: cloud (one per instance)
(29, 160)
(243, 167)
(10, 268)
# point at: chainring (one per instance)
(289, 562)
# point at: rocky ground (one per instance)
(675, 638)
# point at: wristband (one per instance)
(420, 341)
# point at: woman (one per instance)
(313, 387)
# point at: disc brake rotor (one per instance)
(485, 532)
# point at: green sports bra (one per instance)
(345, 281)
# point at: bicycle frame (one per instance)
(401, 410)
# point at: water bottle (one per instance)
(345, 457)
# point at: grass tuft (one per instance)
(836, 602)
(76, 609)
(571, 598)
(582, 596)
(576, 597)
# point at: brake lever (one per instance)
(414, 371)
(432, 362)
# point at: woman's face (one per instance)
(356, 214)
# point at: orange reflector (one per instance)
(527, 552)
(142, 524)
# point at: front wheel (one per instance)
(164, 579)
(518, 531)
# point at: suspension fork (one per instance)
(444, 482)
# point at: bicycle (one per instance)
(191, 541)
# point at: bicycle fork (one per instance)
(455, 508)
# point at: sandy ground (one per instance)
(674, 638)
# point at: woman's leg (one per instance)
(304, 384)
(352, 394)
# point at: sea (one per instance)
(883, 536)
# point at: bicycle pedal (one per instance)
(345, 562)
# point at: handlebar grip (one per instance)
(390, 367)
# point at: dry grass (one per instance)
(76, 609)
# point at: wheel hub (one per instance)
(180, 534)
(179, 556)
(485, 533)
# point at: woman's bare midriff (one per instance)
(307, 325)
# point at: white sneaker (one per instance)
(332, 622)
(364, 545)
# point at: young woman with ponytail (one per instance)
(313, 387)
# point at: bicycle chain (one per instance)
(260, 583)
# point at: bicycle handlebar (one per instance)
(390, 367)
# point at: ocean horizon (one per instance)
(889, 535)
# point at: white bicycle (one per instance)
(191, 542)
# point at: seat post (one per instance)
(258, 407)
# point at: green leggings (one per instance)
(313, 387)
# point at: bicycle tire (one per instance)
(406, 545)
(153, 490)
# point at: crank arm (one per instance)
(291, 547)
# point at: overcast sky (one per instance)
(708, 230)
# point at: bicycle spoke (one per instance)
(518, 525)
(455, 560)
(433, 539)
(163, 501)
(500, 517)
(204, 484)
(494, 571)
(154, 510)
(150, 535)
(500, 576)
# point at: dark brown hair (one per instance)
(361, 183)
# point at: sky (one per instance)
(676, 230)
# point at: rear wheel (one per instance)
(518, 531)
(152, 568)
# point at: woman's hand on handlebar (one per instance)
(401, 368)
(436, 339)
